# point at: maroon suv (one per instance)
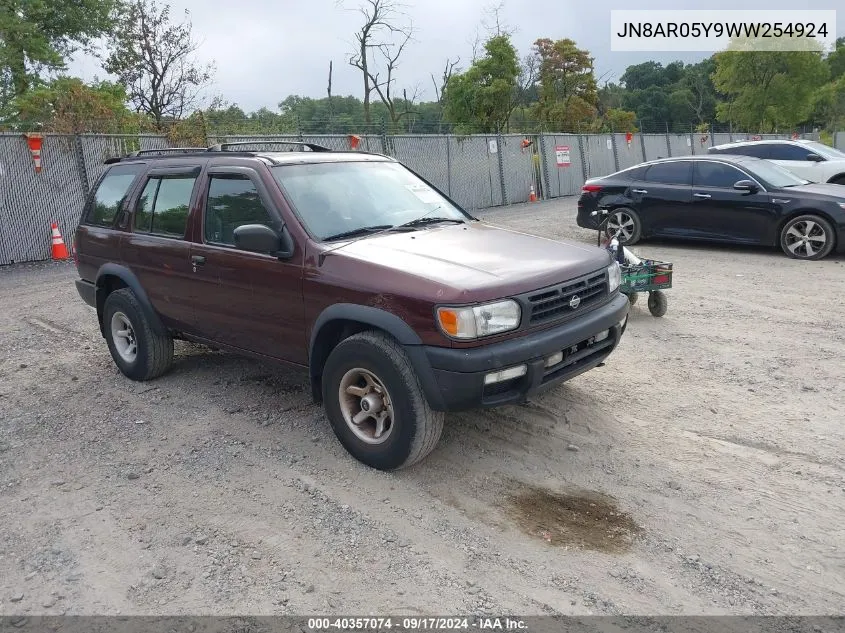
(399, 304)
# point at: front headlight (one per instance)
(477, 321)
(614, 277)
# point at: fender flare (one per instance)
(132, 282)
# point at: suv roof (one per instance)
(314, 154)
(765, 141)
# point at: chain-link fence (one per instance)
(477, 171)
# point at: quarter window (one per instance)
(111, 193)
(785, 151)
(232, 202)
(164, 206)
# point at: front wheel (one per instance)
(657, 303)
(375, 404)
(807, 237)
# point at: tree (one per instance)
(768, 90)
(836, 59)
(154, 60)
(379, 25)
(390, 54)
(68, 106)
(39, 35)
(481, 99)
(568, 95)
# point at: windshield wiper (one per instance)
(364, 230)
(435, 220)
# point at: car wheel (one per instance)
(138, 351)
(657, 303)
(839, 180)
(376, 405)
(807, 237)
(625, 224)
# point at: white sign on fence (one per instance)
(562, 155)
(494, 146)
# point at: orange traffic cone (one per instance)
(532, 197)
(59, 248)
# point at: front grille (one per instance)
(556, 302)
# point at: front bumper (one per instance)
(454, 379)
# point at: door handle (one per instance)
(701, 195)
(639, 190)
(197, 260)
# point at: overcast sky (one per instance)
(266, 50)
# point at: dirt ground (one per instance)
(699, 472)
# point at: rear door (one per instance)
(722, 212)
(156, 249)
(663, 196)
(252, 301)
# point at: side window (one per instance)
(232, 202)
(709, 174)
(673, 173)
(784, 151)
(110, 194)
(164, 206)
(763, 150)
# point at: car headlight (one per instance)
(614, 277)
(482, 320)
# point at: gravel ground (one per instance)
(699, 472)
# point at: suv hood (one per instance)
(475, 261)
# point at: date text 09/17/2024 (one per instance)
(416, 624)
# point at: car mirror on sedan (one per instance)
(748, 186)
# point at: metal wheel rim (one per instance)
(123, 337)
(805, 238)
(621, 225)
(366, 406)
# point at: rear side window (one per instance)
(784, 151)
(757, 151)
(109, 197)
(164, 206)
(679, 173)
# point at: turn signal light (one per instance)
(591, 188)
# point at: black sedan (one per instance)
(723, 198)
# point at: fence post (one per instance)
(692, 139)
(544, 166)
(384, 147)
(80, 163)
(668, 142)
(642, 141)
(584, 167)
(615, 150)
(712, 136)
(500, 143)
(448, 165)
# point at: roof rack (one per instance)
(141, 152)
(222, 147)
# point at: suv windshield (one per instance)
(825, 150)
(773, 174)
(338, 198)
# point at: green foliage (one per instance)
(66, 105)
(568, 95)
(768, 90)
(481, 99)
(40, 35)
(836, 59)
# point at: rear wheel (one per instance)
(839, 180)
(138, 351)
(375, 404)
(807, 237)
(625, 224)
(657, 303)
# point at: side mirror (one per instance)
(747, 186)
(814, 158)
(258, 238)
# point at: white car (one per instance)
(809, 160)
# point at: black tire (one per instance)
(415, 428)
(839, 180)
(635, 226)
(657, 303)
(154, 352)
(633, 298)
(812, 225)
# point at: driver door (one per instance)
(248, 300)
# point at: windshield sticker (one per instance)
(426, 194)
